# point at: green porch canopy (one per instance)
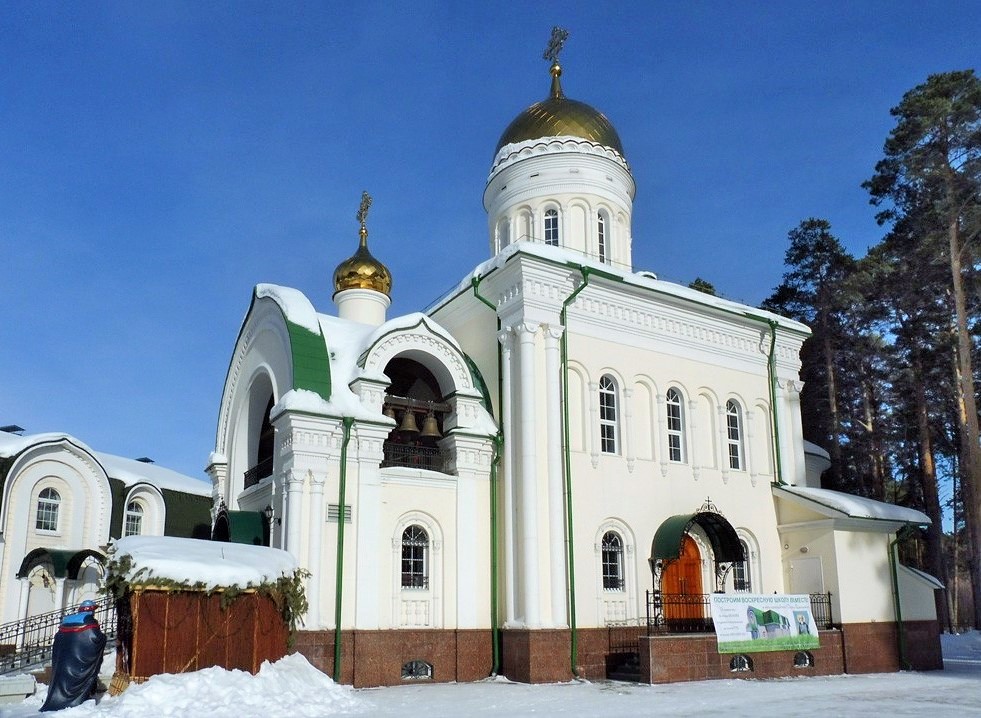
(721, 535)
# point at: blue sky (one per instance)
(157, 160)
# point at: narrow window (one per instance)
(601, 238)
(503, 234)
(676, 426)
(48, 503)
(734, 434)
(415, 557)
(608, 414)
(134, 519)
(741, 578)
(552, 228)
(612, 549)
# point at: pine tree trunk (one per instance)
(834, 449)
(968, 416)
(931, 495)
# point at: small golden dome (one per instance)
(559, 115)
(362, 270)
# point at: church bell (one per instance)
(430, 429)
(409, 423)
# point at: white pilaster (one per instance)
(528, 506)
(316, 530)
(293, 518)
(506, 338)
(556, 519)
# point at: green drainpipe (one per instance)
(339, 582)
(495, 460)
(771, 370)
(900, 631)
(574, 643)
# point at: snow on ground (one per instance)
(292, 687)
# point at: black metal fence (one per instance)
(27, 643)
(258, 472)
(413, 457)
(692, 613)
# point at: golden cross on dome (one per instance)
(555, 43)
(363, 210)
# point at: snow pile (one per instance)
(288, 687)
(962, 647)
(209, 563)
(131, 472)
(293, 303)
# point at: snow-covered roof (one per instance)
(637, 279)
(837, 504)
(293, 303)
(812, 448)
(129, 471)
(211, 564)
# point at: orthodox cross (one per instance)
(555, 43)
(363, 212)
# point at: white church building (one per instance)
(563, 453)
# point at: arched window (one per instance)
(503, 234)
(48, 503)
(612, 562)
(552, 227)
(734, 434)
(133, 525)
(676, 426)
(601, 246)
(742, 580)
(608, 414)
(415, 557)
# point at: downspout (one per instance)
(771, 369)
(495, 460)
(900, 630)
(339, 581)
(574, 643)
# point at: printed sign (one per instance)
(750, 622)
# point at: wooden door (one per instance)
(681, 584)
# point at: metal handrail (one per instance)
(691, 613)
(27, 643)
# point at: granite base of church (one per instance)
(378, 658)
(854, 648)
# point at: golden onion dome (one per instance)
(362, 270)
(557, 116)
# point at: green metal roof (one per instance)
(248, 527)
(188, 515)
(311, 365)
(65, 563)
(671, 534)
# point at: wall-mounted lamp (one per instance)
(803, 549)
(270, 516)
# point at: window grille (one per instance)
(134, 519)
(612, 551)
(552, 228)
(803, 659)
(741, 579)
(676, 426)
(734, 434)
(415, 555)
(601, 238)
(417, 671)
(740, 663)
(48, 503)
(608, 415)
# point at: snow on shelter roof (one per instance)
(837, 504)
(210, 564)
(129, 471)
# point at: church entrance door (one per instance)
(681, 584)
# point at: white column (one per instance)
(556, 515)
(507, 475)
(25, 593)
(528, 506)
(315, 531)
(723, 434)
(626, 427)
(293, 518)
(796, 438)
(60, 592)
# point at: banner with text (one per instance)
(751, 622)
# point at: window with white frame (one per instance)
(415, 557)
(676, 426)
(133, 524)
(552, 227)
(734, 434)
(601, 247)
(612, 550)
(742, 579)
(608, 414)
(48, 504)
